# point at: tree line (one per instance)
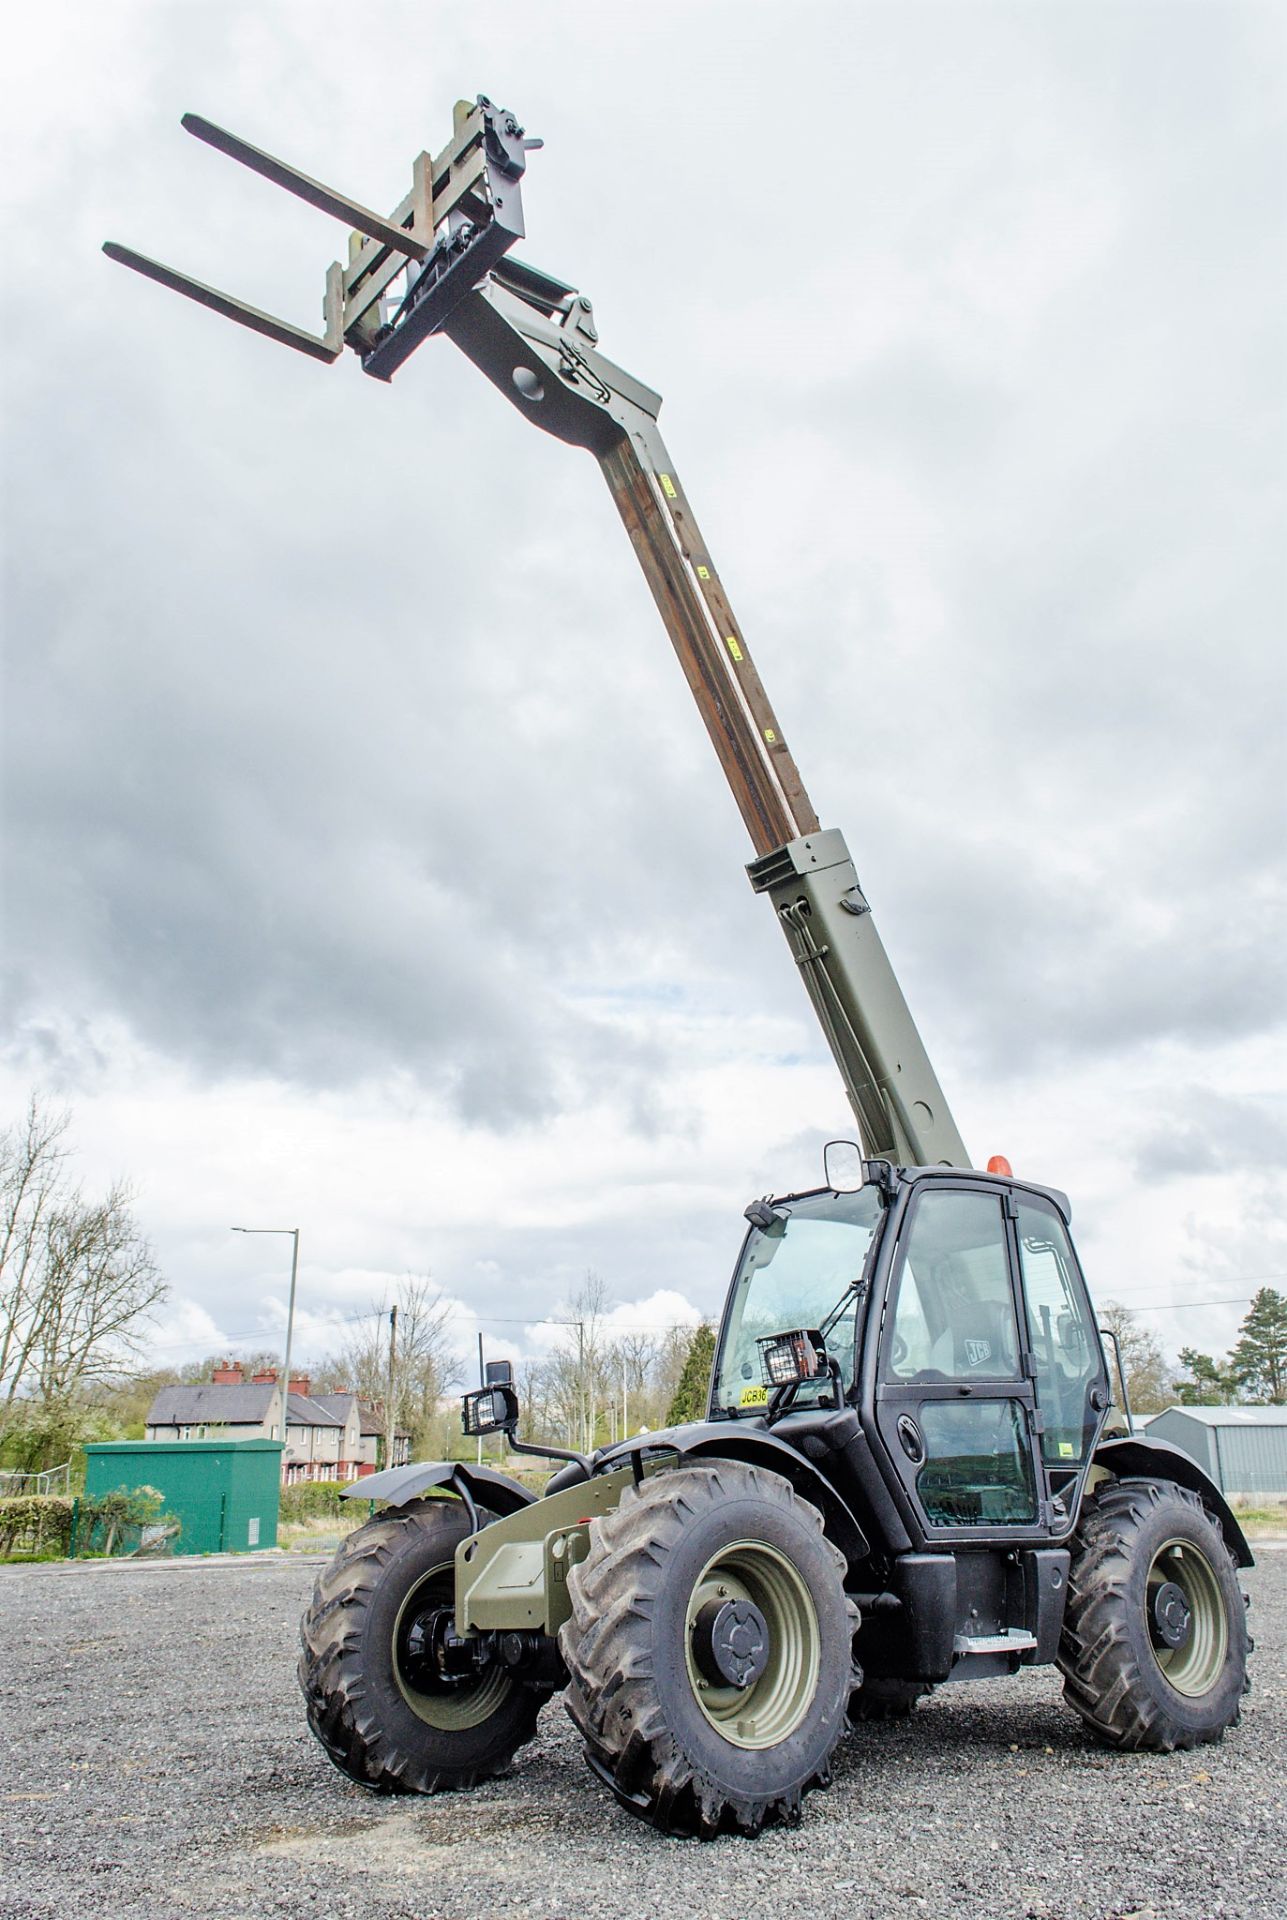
(1253, 1373)
(78, 1284)
(587, 1392)
(593, 1387)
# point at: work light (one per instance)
(489, 1410)
(788, 1358)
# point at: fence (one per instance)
(52, 1480)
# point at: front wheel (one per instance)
(710, 1650)
(1154, 1646)
(396, 1705)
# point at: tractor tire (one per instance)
(705, 1572)
(881, 1699)
(380, 1718)
(1154, 1645)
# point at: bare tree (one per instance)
(1148, 1374)
(100, 1280)
(77, 1277)
(33, 1176)
(577, 1373)
(631, 1360)
(668, 1368)
(634, 1355)
(575, 1395)
(426, 1366)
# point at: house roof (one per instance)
(216, 1404)
(1232, 1416)
(303, 1411)
(212, 1405)
(336, 1403)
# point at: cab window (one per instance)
(1061, 1332)
(954, 1313)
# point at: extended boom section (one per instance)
(894, 1091)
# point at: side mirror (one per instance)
(842, 1166)
(489, 1410)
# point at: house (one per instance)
(1244, 1449)
(329, 1436)
(369, 1455)
(322, 1439)
(227, 1407)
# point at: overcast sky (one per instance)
(367, 866)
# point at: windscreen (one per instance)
(802, 1272)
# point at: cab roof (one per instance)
(999, 1182)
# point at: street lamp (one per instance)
(290, 1310)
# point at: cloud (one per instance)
(1205, 1131)
(355, 808)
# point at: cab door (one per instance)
(955, 1401)
(1067, 1360)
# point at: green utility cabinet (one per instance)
(225, 1492)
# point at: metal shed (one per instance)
(225, 1492)
(1244, 1449)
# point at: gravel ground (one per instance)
(154, 1762)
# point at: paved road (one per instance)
(154, 1763)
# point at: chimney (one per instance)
(268, 1378)
(226, 1376)
(301, 1383)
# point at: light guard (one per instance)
(787, 1359)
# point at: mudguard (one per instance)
(756, 1447)
(483, 1485)
(1136, 1457)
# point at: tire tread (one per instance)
(1104, 1679)
(610, 1695)
(331, 1677)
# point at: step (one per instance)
(1015, 1640)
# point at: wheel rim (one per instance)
(450, 1706)
(1193, 1666)
(772, 1706)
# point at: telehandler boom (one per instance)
(440, 264)
(908, 1473)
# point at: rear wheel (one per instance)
(1154, 1647)
(710, 1650)
(395, 1705)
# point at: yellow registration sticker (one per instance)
(668, 486)
(754, 1397)
(1066, 1450)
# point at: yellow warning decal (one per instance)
(770, 736)
(753, 1397)
(703, 573)
(1066, 1450)
(668, 486)
(734, 649)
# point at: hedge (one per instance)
(314, 1500)
(116, 1522)
(35, 1523)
